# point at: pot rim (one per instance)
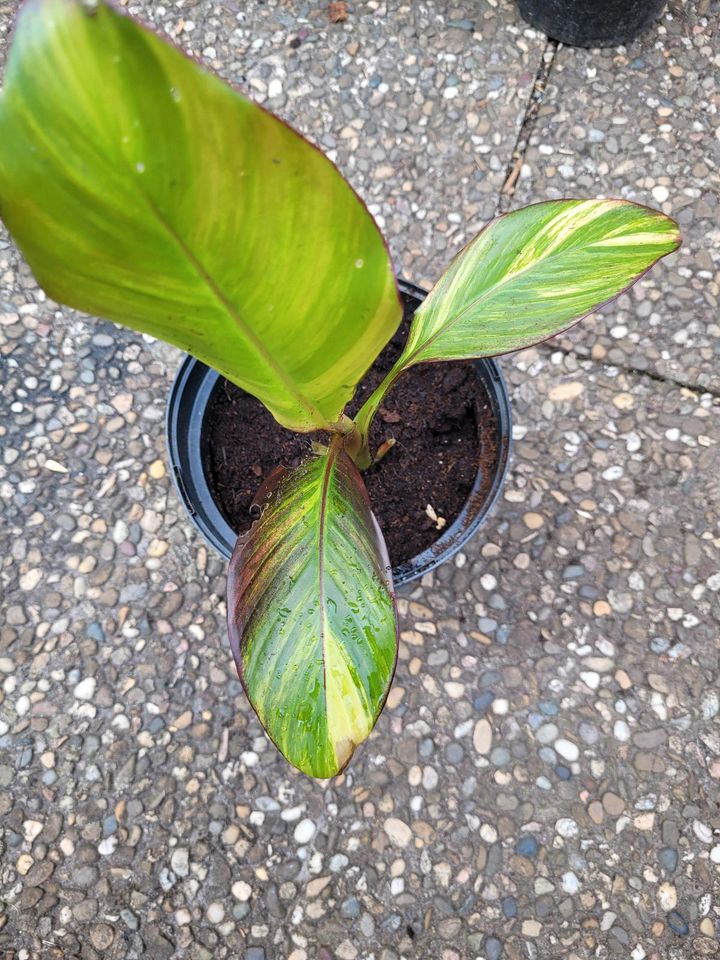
(184, 435)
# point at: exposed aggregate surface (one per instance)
(544, 782)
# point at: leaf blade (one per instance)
(142, 189)
(311, 614)
(544, 268)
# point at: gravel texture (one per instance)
(544, 781)
(643, 123)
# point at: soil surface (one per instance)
(438, 414)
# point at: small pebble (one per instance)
(527, 847)
(567, 750)
(493, 948)
(669, 859)
(305, 831)
(216, 912)
(566, 827)
(85, 690)
(398, 831)
(667, 896)
(570, 883)
(678, 924)
(509, 907)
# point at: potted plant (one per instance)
(592, 23)
(222, 443)
(143, 189)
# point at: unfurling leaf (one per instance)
(311, 613)
(142, 189)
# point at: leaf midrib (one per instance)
(332, 455)
(214, 288)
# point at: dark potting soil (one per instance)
(438, 413)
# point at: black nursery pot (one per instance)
(592, 23)
(188, 449)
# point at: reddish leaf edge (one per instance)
(263, 495)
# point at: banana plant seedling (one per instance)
(143, 189)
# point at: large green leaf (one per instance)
(143, 189)
(311, 613)
(529, 275)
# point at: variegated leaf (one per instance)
(143, 189)
(529, 275)
(311, 613)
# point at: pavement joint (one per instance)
(535, 101)
(699, 390)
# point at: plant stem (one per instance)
(351, 441)
(363, 421)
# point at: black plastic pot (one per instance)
(592, 23)
(188, 449)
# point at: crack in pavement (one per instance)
(507, 192)
(549, 346)
(535, 100)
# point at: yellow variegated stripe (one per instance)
(142, 189)
(527, 276)
(535, 271)
(311, 614)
